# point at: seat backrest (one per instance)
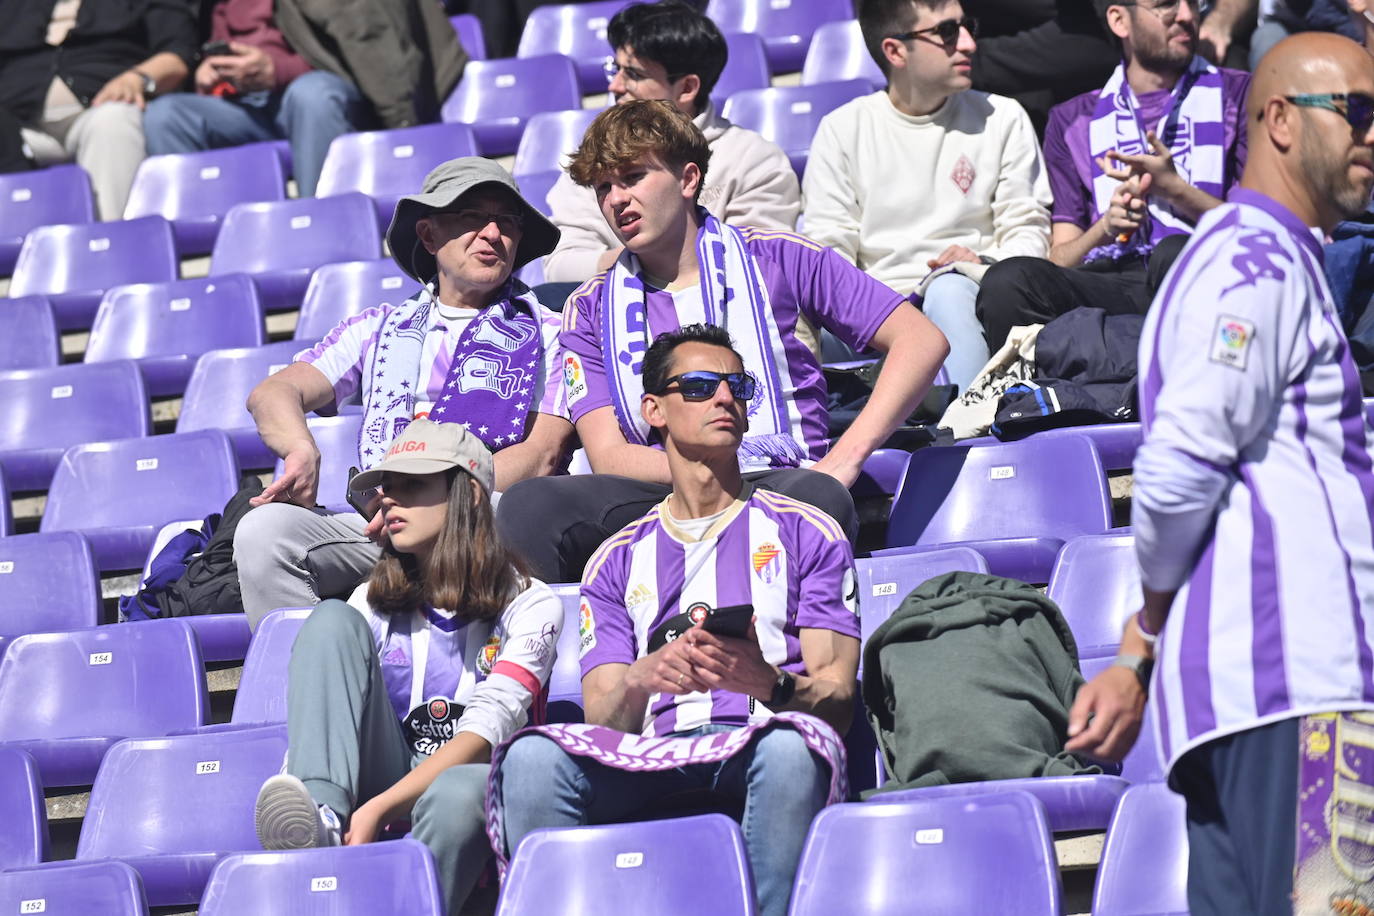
(337, 439)
(68, 405)
(107, 888)
(206, 183)
(745, 68)
(221, 381)
(183, 317)
(394, 877)
(837, 52)
(95, 256)
(48, 582)
(147, 481)
(295, 234)
(24, 841)
(885, 581)
(786, 25)
(535, 188)
(640, 866)
(549, 137)
(188, 793)
(1144, 865)
(575, 29)
(261, 696)
(565, 680)
(144, 678)
(28, 334)
(1096, 583)
(390, 163)
(1049, 488)
(340, 291)
(468, 28)
(6, 516)
(979, 854)
(514, 87)
(789, 115)
(44, 197)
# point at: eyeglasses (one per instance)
(1167, 10)
(632, 76)
(946, 33)
(1358, 111)
(700, 385)
(473, 220)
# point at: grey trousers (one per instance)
(288, 556)
(106, 140)
(345, 743)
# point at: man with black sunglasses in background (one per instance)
(928, 175)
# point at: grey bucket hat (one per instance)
(442, 188)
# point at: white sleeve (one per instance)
(548, 391)
(1021, 200)
(831, 212)
(342, 352)
(585, 234)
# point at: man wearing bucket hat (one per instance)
(474, 347)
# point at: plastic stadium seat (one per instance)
(24, 841)
(280, 243)
(535, 188)
(549, 137)
(1116, 443)
(1142, 763)
(166, 326)
(884, 582)
(1020, 501)
(1096, 583)
(67, 697)
(469, 30)
(59, 194)
(261, 697)
(746, 67)
(565, 680)
(1144, 866)
(71, 888)
(679, 867)
(982, 854)
(48, 583)
(785, 25)
(577, 30)
(340, 291)
(789, 115)
(337, 438)
(1071, 803)
(837, 52)
(395, 877)
(196, 190)
(173, 807)
(497, 97)
(1369, 411)
(49, 410)
(219, 387)
(881, 473)
(73, 265)
(28, 334)
(387, 164)
(6, 518)
(119, 493)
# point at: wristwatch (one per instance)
(783, 688)
(149, 84)
(1139, 664)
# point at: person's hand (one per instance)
(1158, 164)
(126, 87)
(248, 69)
(728, 663)
(1128, 208)
(207, 77)
(364, 825)
(950, 255)
(1115, 703)
(299, 480)
(1214, 40)
(668, 669)
(845, 472)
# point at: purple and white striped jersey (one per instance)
(1254, 496)
(788, 559)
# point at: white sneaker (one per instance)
(286, 817)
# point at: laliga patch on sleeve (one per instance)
(1231, 341)
(574, 379)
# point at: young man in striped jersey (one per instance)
(651, 666)
(1254, 518)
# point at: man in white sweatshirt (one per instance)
(928, 174)
(668, 50)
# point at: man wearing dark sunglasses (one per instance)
(1253, 515)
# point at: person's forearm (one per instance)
(827, 700)
(629, 460)
(1157, 605)
(1072, 252)
(522, 461)
(167, 70)
(279, 413)
(465, 747)
(1188, 201)
(621, 708)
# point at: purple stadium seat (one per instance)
(1071, 803)
(196, 190)
(1144, 866)
(173, 807)
(469, 30)
(746, 68)
(6, 518)
(679, 867)
(395, 877)
(62, 888)
(223, 637)
(577, 30)
(1020, 501)
(785, 25)
(165, 327)
(337, 438)
(982, 854)
(28, 334)
(881, 473)
(60, 194)
(48, 583)
(837, 52)
(1142, 763)
(549, 137)
(535, 188)
(340, 291)
(1369, 411)
(281, 242)
(884, 581)
(73, 265)
(219, 386)
(67, 697)
(497, 97)
(24, 841)
(1096, 583)
(565, 681)
(1116, 443)
(387, 164)
(261, 697)
(119, 493)
(789, 115)
(48, 411)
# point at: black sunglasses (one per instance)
(1358, 111)
(947, 32)
(700, 385)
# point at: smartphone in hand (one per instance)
(215, 49)
(729, 621)
(359, 499)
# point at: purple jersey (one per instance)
(786, 558)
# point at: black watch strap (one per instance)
(783, 689)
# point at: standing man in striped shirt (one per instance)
(1254, 517)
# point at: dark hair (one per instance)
(470, 571)
(658, 358)
(624, 133)
(676, 35)
(881, 18)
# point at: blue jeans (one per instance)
(314, 108)
(782, 783)
(949, 303)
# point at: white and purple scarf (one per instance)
(638, 754)
(732, 297)
(1193, 130)
(490, 383)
